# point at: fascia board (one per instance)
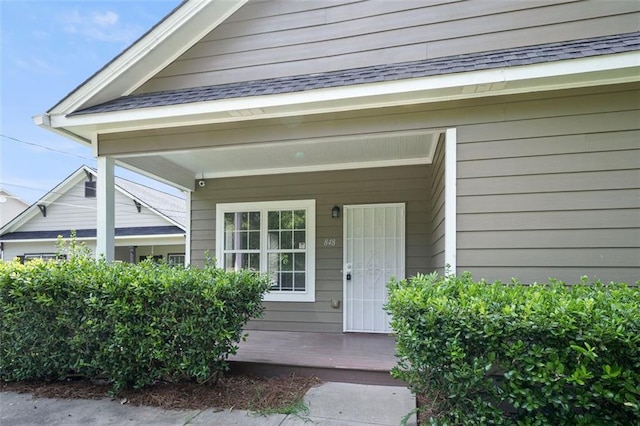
(44, 121)
(528, 78)
(154, 51)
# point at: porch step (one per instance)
(329, 374)
(336, 357)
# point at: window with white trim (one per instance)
(44, 256)
(275, 237)
(175, 259)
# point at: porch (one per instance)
(348, 357)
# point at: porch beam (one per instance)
(450, 200)
(105, 227)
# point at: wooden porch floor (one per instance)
(357, 358)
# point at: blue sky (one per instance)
(47, 49)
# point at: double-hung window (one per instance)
(275, 237)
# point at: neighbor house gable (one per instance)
(70, 207)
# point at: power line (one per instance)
(159, 209)
(46, 147)
(46, 191)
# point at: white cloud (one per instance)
(102, 26)
(105, 19)
(38, 65)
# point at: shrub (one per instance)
(132, 324)
(494, 353)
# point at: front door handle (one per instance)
(348, 276)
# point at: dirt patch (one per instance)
(240, 392)
(429, 407)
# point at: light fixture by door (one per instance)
(335, 212)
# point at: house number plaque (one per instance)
(329, 242)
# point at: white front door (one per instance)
(374, 252)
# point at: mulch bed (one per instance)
(239, 392)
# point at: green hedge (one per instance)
(493, 353)
(132, 324)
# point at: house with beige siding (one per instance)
(148, 222)
(337, 144)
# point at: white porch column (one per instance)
(105, 188)
(187, 242)
(450, 191)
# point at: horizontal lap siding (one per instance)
(283, 38)
(555, 196)
(385, 185)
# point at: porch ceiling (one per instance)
(319, 154)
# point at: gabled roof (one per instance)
(165, 41)
(104, 104)
(503, 58)
(167, 206)
(554, 66)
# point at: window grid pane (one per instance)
(241, 249)
(285, 251)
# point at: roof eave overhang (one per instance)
(167, 238)
(566, 74)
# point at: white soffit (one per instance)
(336, 153)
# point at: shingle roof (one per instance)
(550, 52)
(173, 207)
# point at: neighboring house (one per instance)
(337, 144)
(10, 206)
(148, 222)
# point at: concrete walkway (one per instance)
(336, 404)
